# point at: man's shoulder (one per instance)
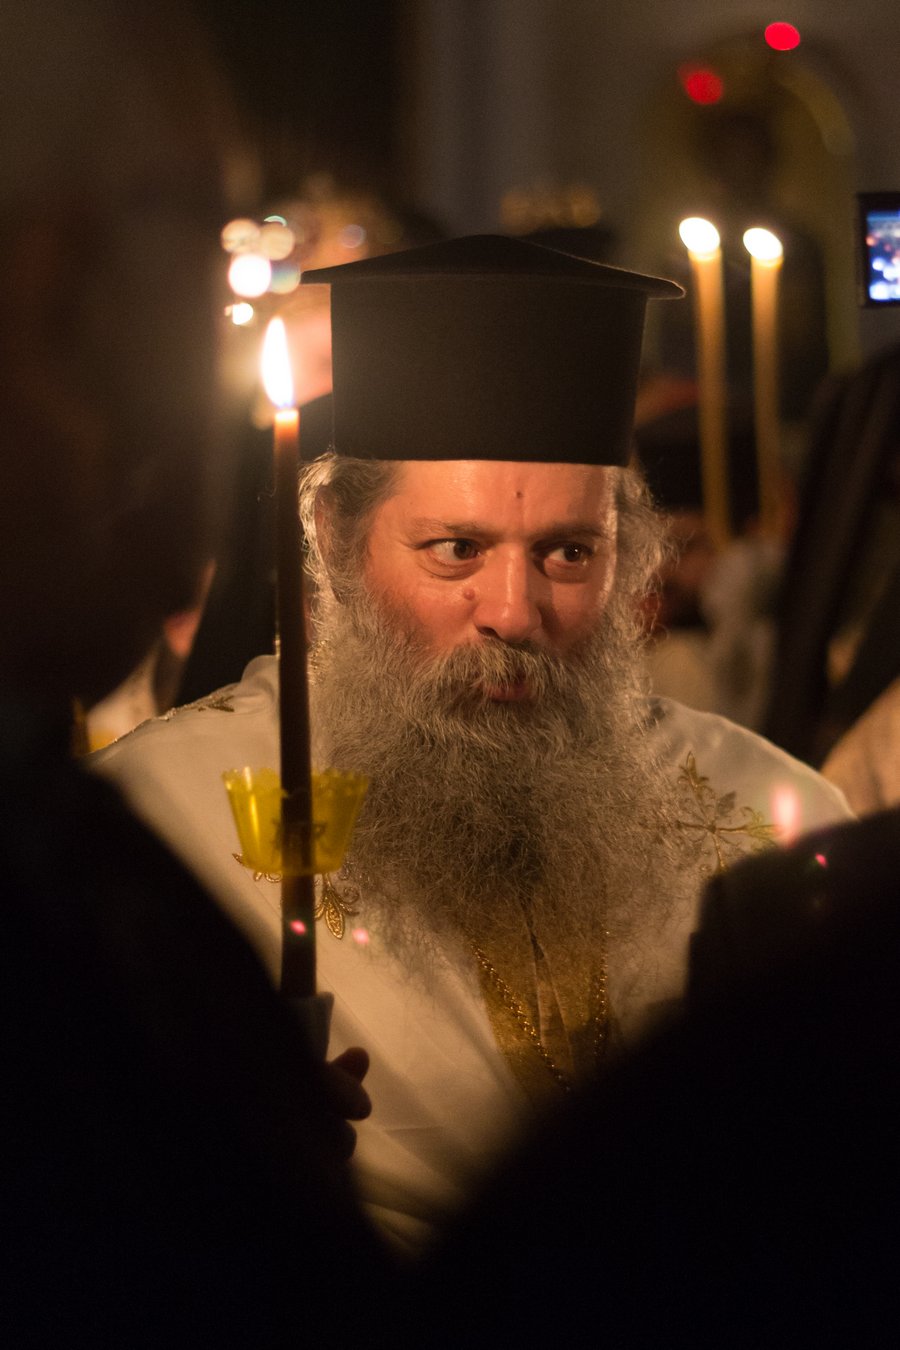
(230, 713)
(170, 769)
(678, 724)
(705, 747)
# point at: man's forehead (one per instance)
(450, 474)
(477, 489)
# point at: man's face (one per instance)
(484, 675)
(467, 551)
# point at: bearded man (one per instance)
(522, 883)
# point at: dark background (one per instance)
(317, 84)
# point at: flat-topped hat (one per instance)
(486, 348)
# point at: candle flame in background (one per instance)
(285, 277)
(249, 275)
(276, 366)
(700, 237)
(240, 313)
(239, 236)
(763, 245)
(276, 239)
(786, 813)
(261, 256)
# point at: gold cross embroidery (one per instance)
(333, 908)
(716, 820)
(222, 702)
(330, 905)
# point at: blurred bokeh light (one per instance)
(782, 37)
(701, 84)
(249, 275)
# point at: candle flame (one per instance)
(276, 366)
(763, 245)
(700, 237)
(786, 813)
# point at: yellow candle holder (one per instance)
(256, 796)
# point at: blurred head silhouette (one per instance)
(111, 197)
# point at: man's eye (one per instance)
(453, 550)
(569, 554)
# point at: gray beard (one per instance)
(479, 814)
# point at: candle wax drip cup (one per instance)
(256, 800)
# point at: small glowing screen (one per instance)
(879, 236)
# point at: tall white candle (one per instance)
(766, 257)
(701, 239)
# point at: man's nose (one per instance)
(507, 600)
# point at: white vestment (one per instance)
(444, 1097)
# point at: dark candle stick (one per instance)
(298, 947)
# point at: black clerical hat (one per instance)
(486, 348)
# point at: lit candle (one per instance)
(701, 239)
(766, 253)
(298, 951)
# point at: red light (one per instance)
(782, 37)
(297, 926)
(701, 84)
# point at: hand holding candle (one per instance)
(701, 238)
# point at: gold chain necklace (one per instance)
(600, 1017)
